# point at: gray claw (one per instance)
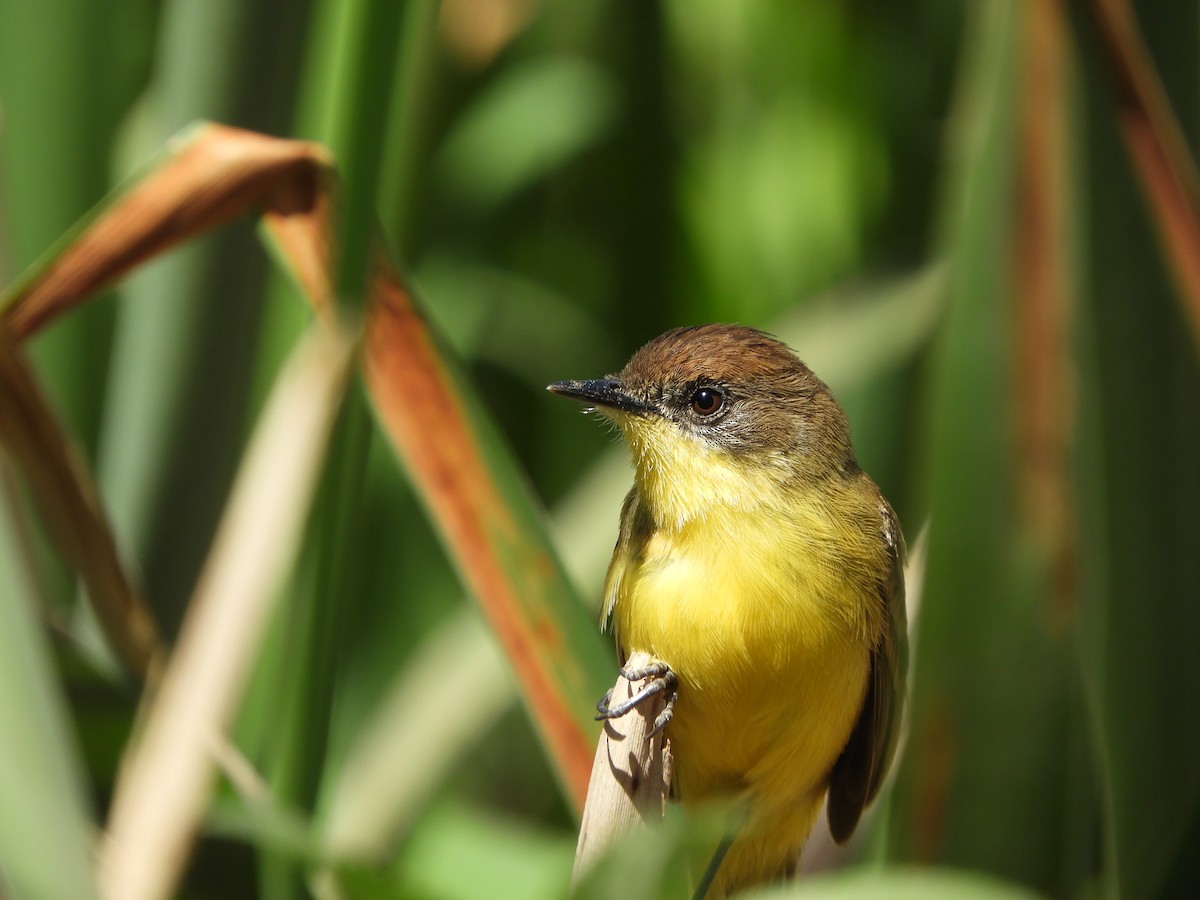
(661, 679)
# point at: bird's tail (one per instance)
(766, 849)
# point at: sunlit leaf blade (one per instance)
(164, 786)
(45, 839)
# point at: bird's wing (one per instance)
(860, 770)
(625, 553)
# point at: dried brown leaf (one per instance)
(214, 174)
(1156, 143)
(65, 494)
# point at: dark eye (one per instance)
(707, 401)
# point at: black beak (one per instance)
(600, 392)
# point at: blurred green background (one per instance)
(563, 181)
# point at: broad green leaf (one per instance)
(986, 777)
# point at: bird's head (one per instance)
(718, 413)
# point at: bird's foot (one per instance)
(661, 680)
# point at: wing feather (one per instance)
(630, 540)
(863, 764)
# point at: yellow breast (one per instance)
(757, 606)
(766, 672)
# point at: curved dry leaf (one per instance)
(482, 507)
(213, 174)
(67, 498)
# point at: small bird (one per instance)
(762, 570)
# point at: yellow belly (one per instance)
(772, 660)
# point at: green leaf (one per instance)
(45, 826)
(900, 884)
(528, 123)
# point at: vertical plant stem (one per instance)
(348, 88)
(316, 627)
(164, 786)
